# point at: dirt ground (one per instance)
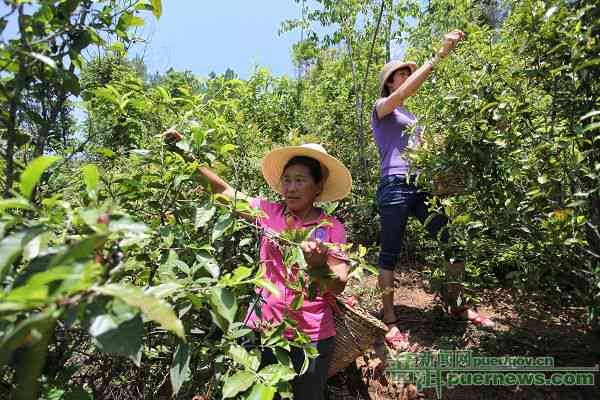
(527, 325)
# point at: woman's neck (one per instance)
(308, 214)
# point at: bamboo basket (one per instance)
(356, 330)
(450, 182)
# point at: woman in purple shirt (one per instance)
(395, 129)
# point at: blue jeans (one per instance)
(397, 199)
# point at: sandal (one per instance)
(473, 316)
(483, 322)
(399, 340)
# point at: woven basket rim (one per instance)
(365, 315)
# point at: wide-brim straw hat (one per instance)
(389, 68)
(337, 181)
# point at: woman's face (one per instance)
(398, 78)
(299, 188)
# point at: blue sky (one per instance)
(205, 36)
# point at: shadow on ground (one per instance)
(528, 325)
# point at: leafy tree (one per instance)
(178, 83)
(123, 277)
(510, 114)
(41, 62)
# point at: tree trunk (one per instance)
(388, 31)
(358, 104)
(11, 130)
(12, 122)
(362, 95)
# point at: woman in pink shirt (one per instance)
(302, 175)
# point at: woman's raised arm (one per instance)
(386, 105)
(217, 184)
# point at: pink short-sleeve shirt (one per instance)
(315, 317)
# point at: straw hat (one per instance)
(337, 180)
(389, 68)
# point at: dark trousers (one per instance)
(312, 384)
(397, 200)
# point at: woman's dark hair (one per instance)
(386, 89)
(314, 167)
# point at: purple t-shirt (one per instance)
(393, 138)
